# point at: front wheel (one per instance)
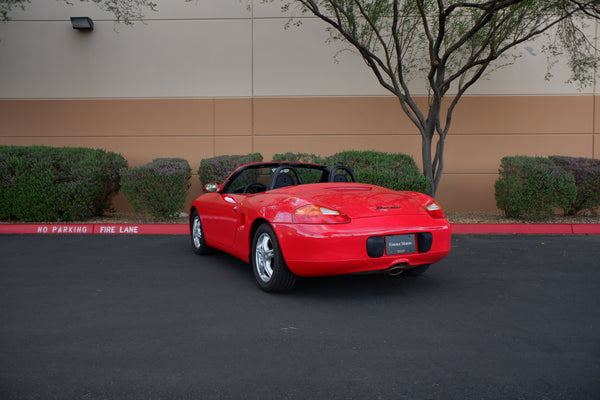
(269, 267)
(197, 235)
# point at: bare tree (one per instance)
(451, 45)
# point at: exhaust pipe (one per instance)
(395, 270)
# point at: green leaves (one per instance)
(395, 171)
(217, 169)
(532, 187)
(47, 184)
(159, 187)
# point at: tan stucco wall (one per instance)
(485, 128)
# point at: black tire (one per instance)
(197, 235)
(269, 267)
(416, 271)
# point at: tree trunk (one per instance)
(433, 163)
(427, 162)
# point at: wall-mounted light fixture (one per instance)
(83, 23)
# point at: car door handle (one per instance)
(236, 210)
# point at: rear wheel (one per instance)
(197, 235)
(269, 267)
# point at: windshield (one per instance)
(260, 177)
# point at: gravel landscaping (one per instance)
(497, 217)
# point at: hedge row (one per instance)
(217, 169)
(40, 183)
(586, 172)
(533, 187)
(159, 187)
(396, 171)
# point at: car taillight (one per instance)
(434, 210)
(313, 214)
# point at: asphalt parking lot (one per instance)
(142, 317)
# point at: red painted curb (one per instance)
(101, 229)
(586, 229)
(47, 228)
(145, 229)
(183, 229)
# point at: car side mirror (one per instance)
(213, 187)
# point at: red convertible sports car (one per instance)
(297, 219)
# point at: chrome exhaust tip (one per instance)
(395, 270)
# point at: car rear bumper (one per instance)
(320, 250)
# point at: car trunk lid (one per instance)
(359, 200)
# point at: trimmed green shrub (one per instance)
(159, 187)
(392, 170)
(46, 184)
(307, 175)
(395, 171)
(532, 187)
(217, 169)
(300, 157)
(586, 172)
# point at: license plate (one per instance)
(400, 244)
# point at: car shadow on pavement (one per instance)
(340, 286)
(366, 286)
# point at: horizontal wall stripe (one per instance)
(485, 129)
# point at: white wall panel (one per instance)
(273, 10)
(527, 75)
(167, 9)
(155, 59)
(207, 48)
(298, 62)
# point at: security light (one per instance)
(83, 23)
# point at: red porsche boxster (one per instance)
(297, 219)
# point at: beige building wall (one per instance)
(199, 79)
